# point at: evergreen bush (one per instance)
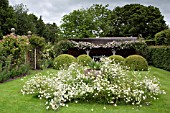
(62, 46)
(117, 59)
(163, 37)
(141, 49)
(37, 42)
(150, 42)
(84, 59)
(159, 56)
(136, 62)
(63, 61)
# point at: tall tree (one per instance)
(98, 20)
(135, 19)
(101, 16)
(7, 18)
(51, 33)
(32, 23)
(77, 24)
(89, 22)
(40, 26)
(25, 22)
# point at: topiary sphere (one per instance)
(63, 61)
(117, 59)
(84, 59)
(163, 37)
(136, 62)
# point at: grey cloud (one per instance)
(53, 10)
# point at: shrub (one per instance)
(12, 56)
(159, 56)
(150, 42)
(24, 69)
(117, 59)
(136, 62)
(62, 46)
(84, 59)
(47, 56)
(15, 47)
(63, 61)
(4, 75)
(141, 49)
(95, 65)
(37, 42)
(163, 37)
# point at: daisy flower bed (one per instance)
(112, 84)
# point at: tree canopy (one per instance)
(84, 23)
(98, 20)
(51, 33)
(24, 21)
(135, 19)
(7, 18)
(18, 17)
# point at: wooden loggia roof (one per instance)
(104, 40)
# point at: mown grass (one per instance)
(12, 101)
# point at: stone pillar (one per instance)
(29, 33)
(113, 51)
(13, 31)
(87, 52)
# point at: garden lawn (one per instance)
(12, 101)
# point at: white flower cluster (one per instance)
(83, 45)
(49, 49)
(111, 84)
(113, 44)
(47, 55)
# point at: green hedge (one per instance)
(136, 62)
(117, 59)
(63, 61)
(84, 59)
(160, 56)
(150, 42)
(62, 46)
(14, 72)
(141, 49)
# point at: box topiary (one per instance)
(163, 37)
(84, 59)
(136, 62)
(117, 59)
(63, 61)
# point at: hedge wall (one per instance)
(160, 56)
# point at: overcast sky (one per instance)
(53, 10)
